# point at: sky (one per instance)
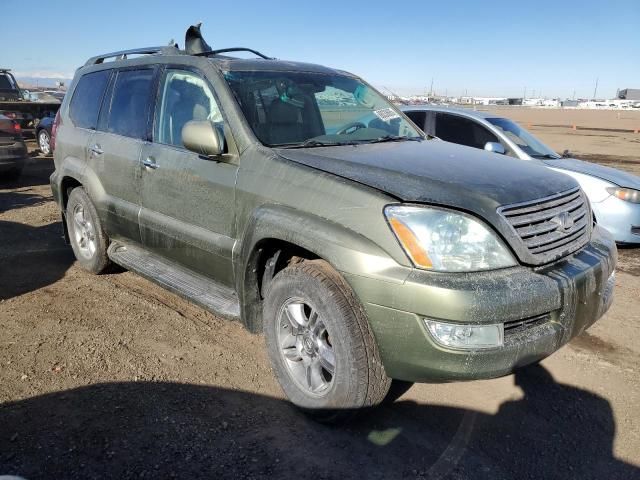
(481, 48)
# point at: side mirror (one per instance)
(494, 147)
(202, 137)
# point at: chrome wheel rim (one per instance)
(84, 232)
(305, 347)
(43, 142)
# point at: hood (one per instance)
(437, 173)
(617, 177)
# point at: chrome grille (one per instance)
(551, 227)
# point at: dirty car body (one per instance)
(318, 167)
(614, 194)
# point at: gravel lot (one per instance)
(113, 377)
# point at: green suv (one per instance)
(296, 199)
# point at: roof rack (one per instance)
(234, 49)
(123, 54)
(5, 70)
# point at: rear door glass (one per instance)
(131, 103)
(87, 98)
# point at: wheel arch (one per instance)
(277, 236)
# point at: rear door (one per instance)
(188, 199)
(114, 150)
(79, 122)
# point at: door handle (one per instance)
(96, 150)
(150, 162)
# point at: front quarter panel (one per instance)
(335, 219)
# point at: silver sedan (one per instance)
(614, 194)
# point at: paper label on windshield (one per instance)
(386, 114)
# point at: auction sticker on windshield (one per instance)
(386, 114)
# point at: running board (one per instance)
(216, 298)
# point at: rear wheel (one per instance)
(44, 142)
(88, 240)
(320, 344)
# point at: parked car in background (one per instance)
(363, 257)
(21, 105)
(614, 194)
(44, 131)
(13, 151)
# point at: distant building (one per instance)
(629, 94)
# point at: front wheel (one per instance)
(322, 350)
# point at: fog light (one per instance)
(470, 337)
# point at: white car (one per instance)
(614, 194)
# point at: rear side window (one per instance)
(130, 103)
(87, 98)
(463, 131)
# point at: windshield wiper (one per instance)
(392, 138)
(546, 155)
(314, 143)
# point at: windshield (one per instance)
(527, 142)
(303, 109)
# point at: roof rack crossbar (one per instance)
(233, 49)
(122, 54)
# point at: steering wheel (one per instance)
(351, 128)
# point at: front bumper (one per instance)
(566, 298)
(619, 218)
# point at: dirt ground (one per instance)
(113, 377)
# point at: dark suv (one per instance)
(13, 151)
(297, 199)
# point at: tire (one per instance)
(321, 347)
(44, 142)
(88, 240)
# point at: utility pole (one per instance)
(524, 95)
(574, 95)
(431, 88)
(595, 90)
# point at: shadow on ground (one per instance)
(168, 430)
(31, 257)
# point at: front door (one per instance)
(187, 199)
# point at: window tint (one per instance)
(185, 97)
(463, 131)
(418, 118)
(87, 98)
(130, 103)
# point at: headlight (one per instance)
(626, 194)
(447, 241)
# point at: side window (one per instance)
(463, 131)
(185, 97)
(87, 98)
(130, 103)
(417, 117)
